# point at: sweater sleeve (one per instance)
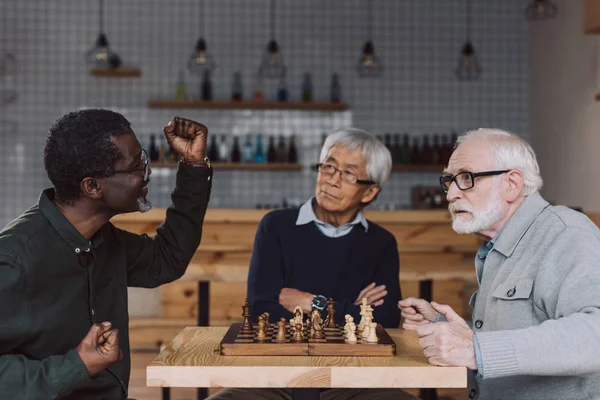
(568, 343)
(388, 274)
(265, 278)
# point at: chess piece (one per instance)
(363, 312)
(372, 338)
(316, 325)
(367, 326)
(281, 330)
(347, 318)
(261, 334)
(298, 316)
(267, 316)
(351, 335)
(298, 336)
(330, 321)
(246, 325)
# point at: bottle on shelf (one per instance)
(236, 155)
(307, 89)
(282, 154)
(426, 152)
(292, 157)
(405, 155)
(397, 150)
(415, 152)
(271, 152)
(282, 91)
(336, 89)
(153, 150)
(259, 154)
(248, 150)
(162, 151)
(180, 87)
(223, 149)
(388, 142)
(206, 87)
(437, 151)
(237, 89)
(257, 92)
(446, 150)
(213, 152)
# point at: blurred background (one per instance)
(271, 78)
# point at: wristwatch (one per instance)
(319, 302)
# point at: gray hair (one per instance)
(510, 152)
(376, 156)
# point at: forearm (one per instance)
(562, 347)
(165, 257)
(50, 378)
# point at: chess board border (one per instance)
(386, 347)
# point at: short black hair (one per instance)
(79, 145)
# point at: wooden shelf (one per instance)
(248, 105)
(418, 168)
(244, 166)
(116, 72)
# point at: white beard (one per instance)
(482, 220)
(144, 205)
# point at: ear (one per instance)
(370, 194)
(514, 185)
(91, 187)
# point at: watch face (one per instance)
(319, 302)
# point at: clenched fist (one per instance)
(187, 138)
(100, 348)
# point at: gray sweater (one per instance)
(536, 314)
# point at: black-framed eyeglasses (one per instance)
(465, 180)
(346, 176)
(145, 166)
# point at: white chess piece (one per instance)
(349, 319)
(372, 338)
(367, 327)
(351, 338)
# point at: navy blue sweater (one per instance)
(287, 255)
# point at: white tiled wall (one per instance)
(418, 40)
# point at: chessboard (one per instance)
(236, 343)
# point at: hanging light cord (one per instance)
(468, 20)
(101, 16)
(272, 20)
(202, 17)
(370, 16)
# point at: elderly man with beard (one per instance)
(65, 268)
(536, 330)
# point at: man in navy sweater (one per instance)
(327, 249)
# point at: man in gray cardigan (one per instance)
(536, 330)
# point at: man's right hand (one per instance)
(100, 348)
(416, 313)
(374, 295)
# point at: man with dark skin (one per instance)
(66, 268)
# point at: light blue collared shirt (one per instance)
(307, 215)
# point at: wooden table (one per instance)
(192, 359)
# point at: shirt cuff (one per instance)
(478, 356)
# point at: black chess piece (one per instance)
(247, 324)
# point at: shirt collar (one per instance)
(62, 225)
(516, 227)
(307, 215)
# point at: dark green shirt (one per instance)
(54, 284)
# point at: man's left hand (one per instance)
(448, 344)
(290, 298)
(187, 138)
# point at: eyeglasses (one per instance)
(465, 180)
(145, 167)
(346, 176)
